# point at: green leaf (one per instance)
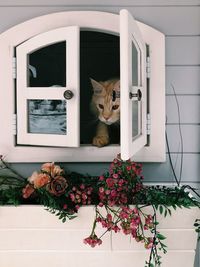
(64, 220)
(161, 209)
(160, 236)
(165, 213)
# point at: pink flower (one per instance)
(115, 160)
(135, 210)
(121, 182)
(109, 217)
(107, 192)
(110, 182)
(41, 179)
(115, 176)
(84, 196)
(111, 203)
(149, 243)
(82, 186)
(92, 240)
(101, 178)
(77, 207)
(113, 193)
(123, 215)
(27, 191)
(116, 229)
(128, 168)
(72, 196)
(101, 189)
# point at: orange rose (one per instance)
(46, 167)
(56, 171)
(27, 191)
(32, 178)
(57, 186)
(52, 169)
(41, 180)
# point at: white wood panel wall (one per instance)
(39, 238)
(179, 20)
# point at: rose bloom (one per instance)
(52, 169)
(32, 178)
(27, 191)
(41, 180)
(57, 186)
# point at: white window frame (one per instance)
(90, 20)
(24, 93)
(129, 33)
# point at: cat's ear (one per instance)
(97, 87)
(117, 85)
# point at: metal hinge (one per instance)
(14, 67)
(148, 67)
(148, 124)
(14, 124)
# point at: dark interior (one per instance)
(99, 60)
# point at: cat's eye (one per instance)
(115, 107)
(100, 106)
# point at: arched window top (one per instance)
(140, 49)
(87, 20)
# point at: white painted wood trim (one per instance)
(93, 20)
(24, 93)
(129, 33)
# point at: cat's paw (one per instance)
(100, 140)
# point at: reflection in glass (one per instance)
(134, 65)
(136, 115)
(47, 116)
(47, 66)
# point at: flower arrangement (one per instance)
(119, 196)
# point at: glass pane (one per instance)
(134, 65)
(47, 116)
(47, 66)
(137, 117)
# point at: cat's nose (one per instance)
(106, 117)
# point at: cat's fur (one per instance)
(106, 108)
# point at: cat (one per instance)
(105, 105)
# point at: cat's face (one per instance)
(103, 104)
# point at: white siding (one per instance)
(179, 20)
(40, 238)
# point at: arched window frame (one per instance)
(86, 20)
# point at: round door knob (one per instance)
(138, 95)
(68, 94)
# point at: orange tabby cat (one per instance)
(106, 106)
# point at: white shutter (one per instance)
(132, 82)
(26, 94)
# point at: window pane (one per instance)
(137, 118)
(134, 65)
(47, 66)
(47, 116)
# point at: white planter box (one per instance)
(31, 236)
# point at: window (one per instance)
(44, 116)
(133, 87)
(47, 93)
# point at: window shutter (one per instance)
(133, 87)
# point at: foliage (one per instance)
(119, 195)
